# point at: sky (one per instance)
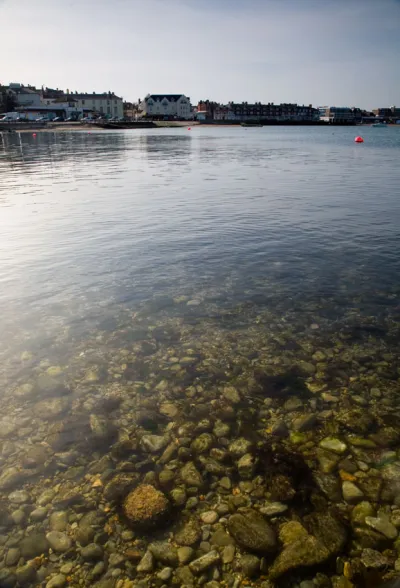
(324, 52)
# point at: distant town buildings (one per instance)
(26, 96)
(29, 102)
(107, 104)
(131, 110)
(166, 106)
(243, 112)
(340, 114)
(391, 114)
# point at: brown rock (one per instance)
(146, 506)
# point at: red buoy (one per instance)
(189, 129)
(34, 134)
(359, 140)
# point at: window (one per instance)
(108, 109)
(83, 102)
(101, 109)
(115, 102)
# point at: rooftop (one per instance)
(85, 95)
(159, 97)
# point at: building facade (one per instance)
(131, 110)
(24, 95)
(242, 112)
(206, 110)
(273, 112)
(107, 104)
(391, 114)
(166, 106)
(63, 110)
(340, 114)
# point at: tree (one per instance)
(8, 102)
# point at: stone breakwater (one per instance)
(173, 450)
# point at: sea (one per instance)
(147, 272)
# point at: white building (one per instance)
(166, 106)
(107, 104)
(64, 110)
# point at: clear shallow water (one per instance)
(144, 274)
(102, 218)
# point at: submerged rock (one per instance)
(273, 509)
(303, 547)
(204, 562)
(12, 477)
(51, 408)
(191, 476)
(305, 422)
(101, 428)
(372, 559)
(120, 485)
(202, 444)
(189, 533)
(89, 524)
(146, 564)
(246, 466)
(351, 493)
(146, 506)
(58, 541)
(383, 525)
(231, 394)
(251, 531)
(34, 545)
(300, 550)
(332, 444)
(153, 443)
(240, 447)
(361, 511)
(92, 552)
(165, 553)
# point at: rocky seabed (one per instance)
(182, 450)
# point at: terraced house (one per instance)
(107, 103)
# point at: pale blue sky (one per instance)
(343, 52)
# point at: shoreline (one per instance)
(60, 128)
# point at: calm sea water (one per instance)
(176, 295)
(93, 220)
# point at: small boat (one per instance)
(251, 124)
(379, 124)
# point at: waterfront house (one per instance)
(57, 108)
(340, 114)
(284, 112)
(106, 104)
(206, 110)
(166, 106)
(391, 114)
(224, 112)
